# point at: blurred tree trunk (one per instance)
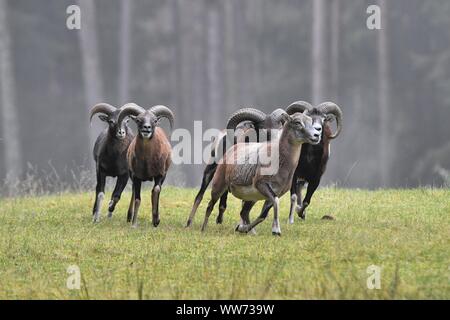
(179, 99)
(230, 57)
(264, 43)
(243, 54)
(384, 95)
(335, 24)
(195, 62)
(198, 57)
(10, 124)
(339, 164)
(124, 51)
(255, 55)
(214, 50)
(318, 51)
(93, 88)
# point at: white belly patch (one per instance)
(246, 193)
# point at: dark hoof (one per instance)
(301, 211)
(302, 214)
(276, 234)
(156, 223)
(188, 224)
(219, 220)
(327, 217)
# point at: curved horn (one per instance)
(163, 111)
(101, 108)
(245, 114)
(128, 110)
(279, 116)
(298, 106)
(332, 108)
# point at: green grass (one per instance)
(406, 232)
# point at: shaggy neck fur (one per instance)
(289, 149)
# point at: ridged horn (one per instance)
(279, 116)
(332, 108)
(129, 109)
(246, 114)
(101, 108)
(163, 111)
(298, 106)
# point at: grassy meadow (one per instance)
(405, 232)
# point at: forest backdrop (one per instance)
(206, 58)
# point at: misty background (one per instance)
(207, 58)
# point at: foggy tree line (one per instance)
(206, 58)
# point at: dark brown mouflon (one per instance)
(313, 158)
(110, 152)
(149, 155)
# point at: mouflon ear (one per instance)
(103, 117)
(330, 108)
(330, 118)
(102, 108)
(303, 118)
(289, 119)
(129, 110)
(132, 117)
(161, 111)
